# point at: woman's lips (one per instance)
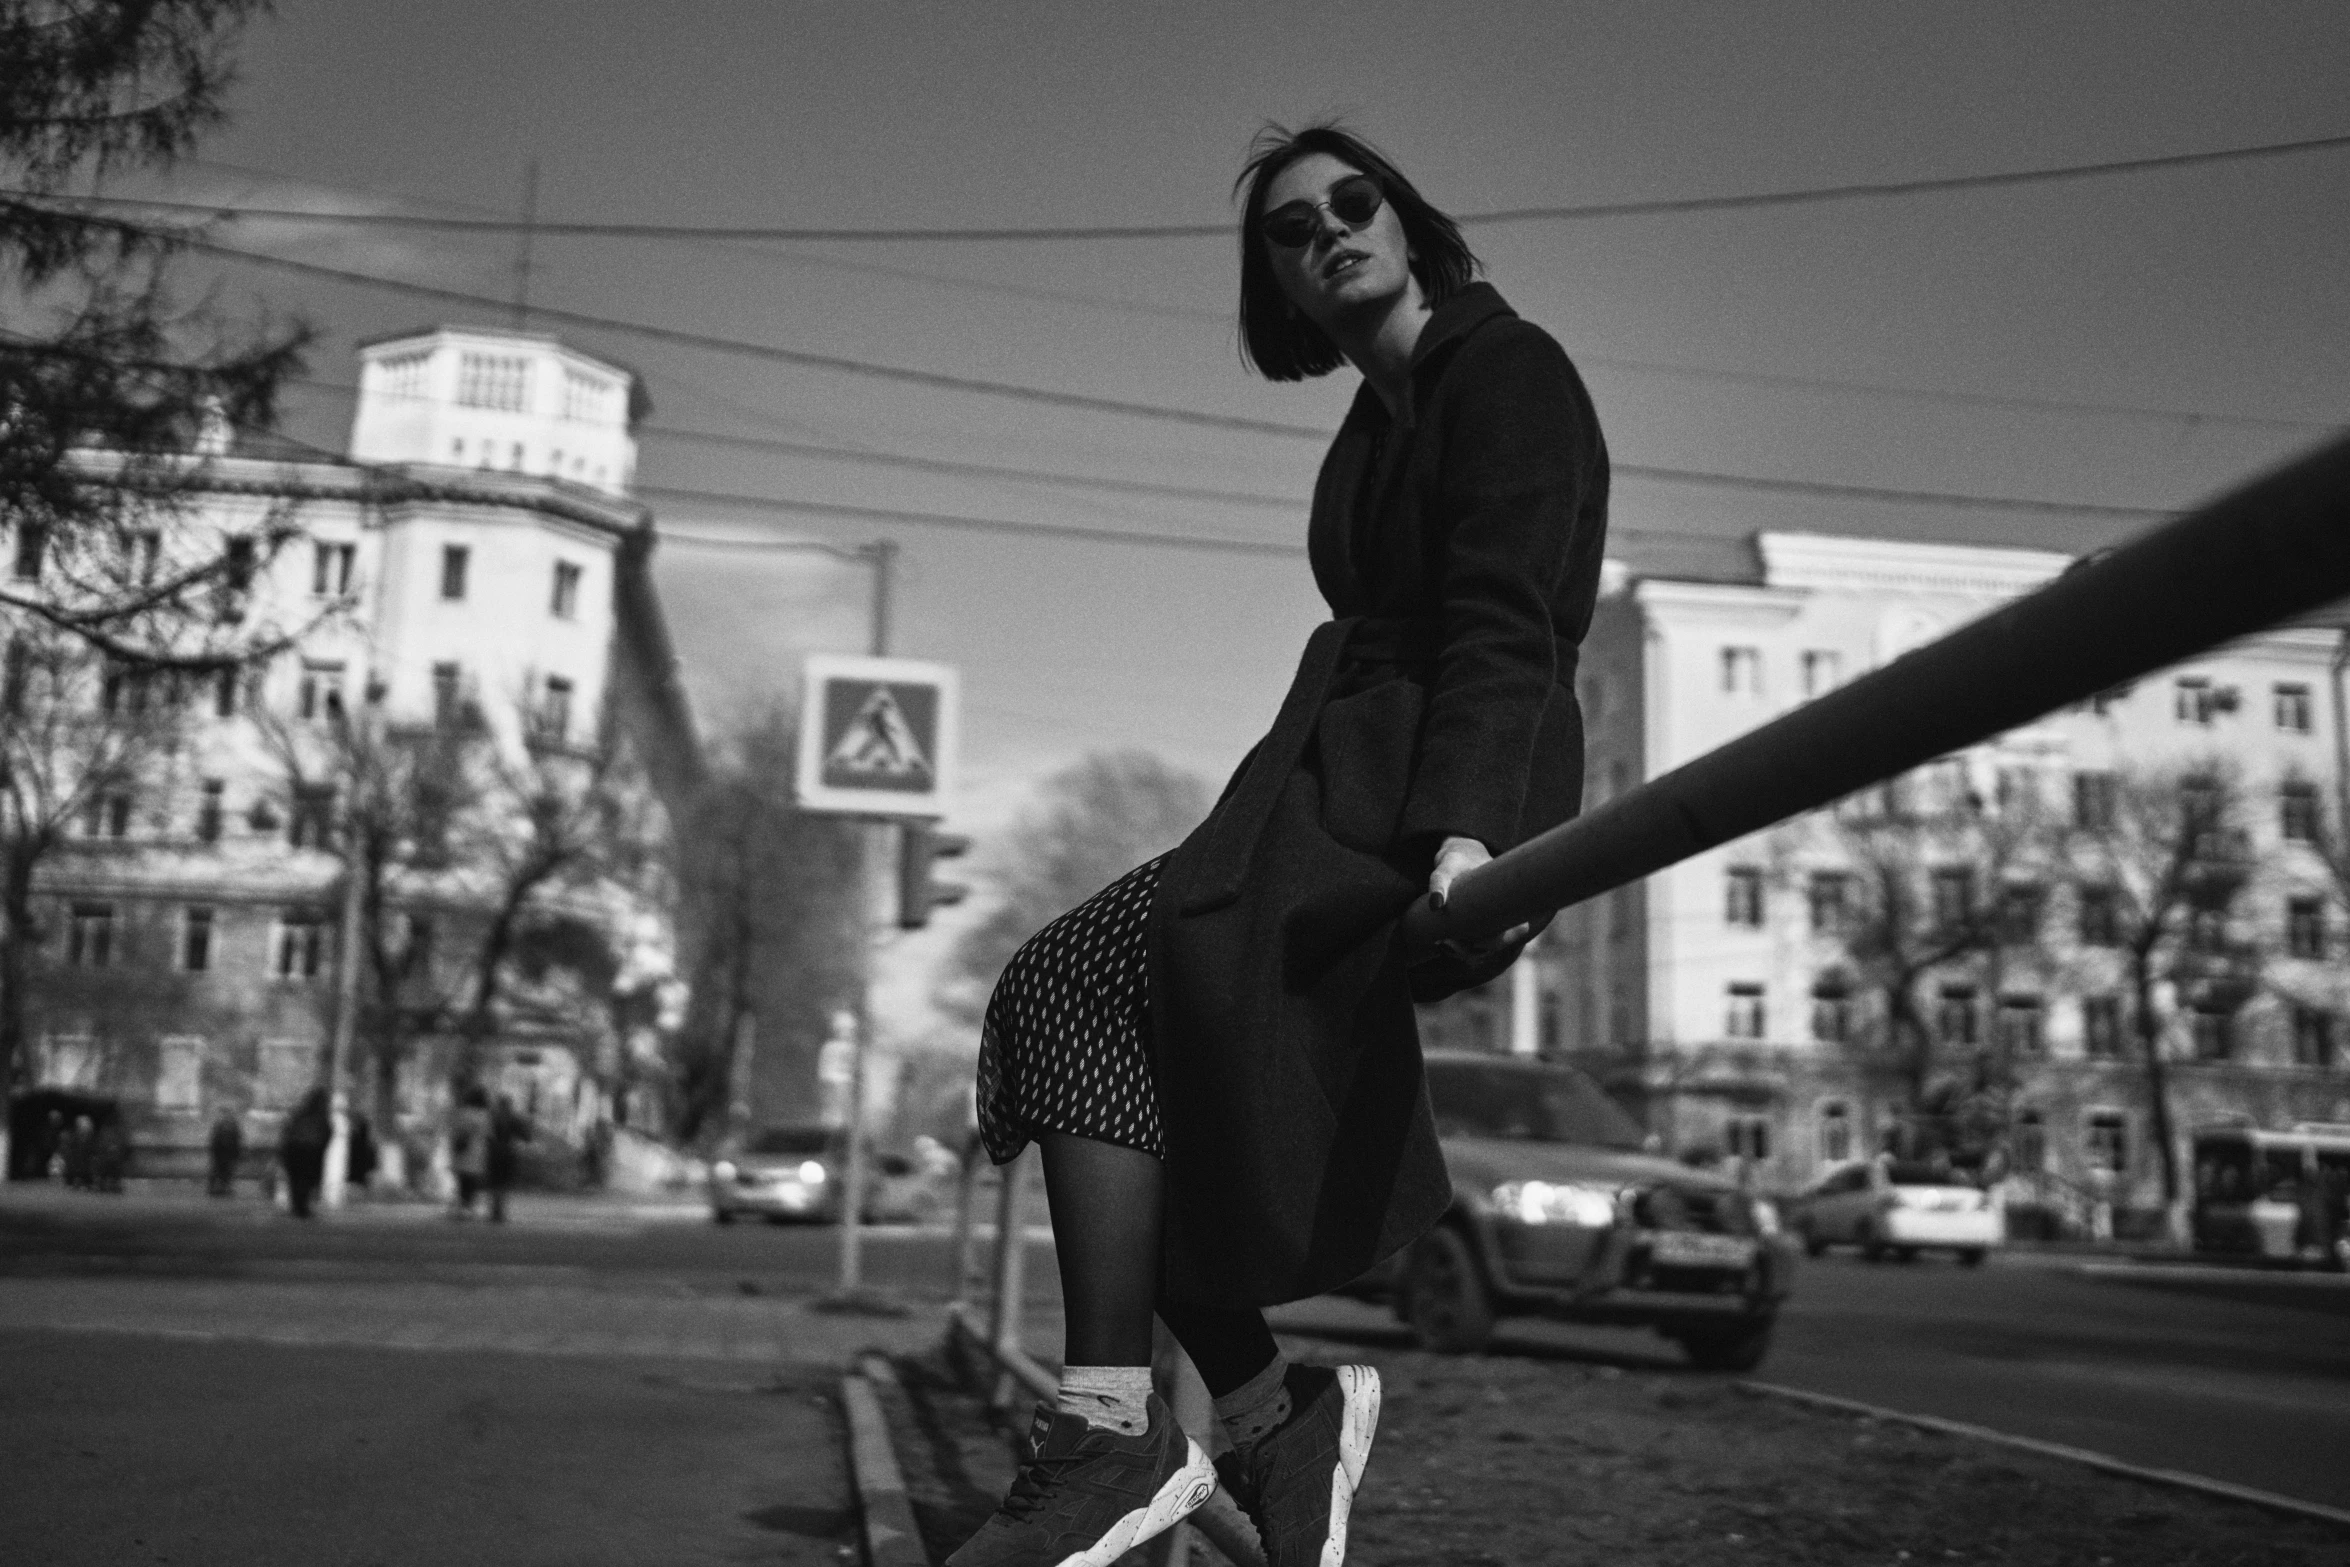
(1345, 261)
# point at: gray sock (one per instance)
(1112, 1398)
(1253, 1410)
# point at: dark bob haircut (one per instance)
(1281, 343)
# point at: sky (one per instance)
(2133, 342)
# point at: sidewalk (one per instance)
(187, 1200)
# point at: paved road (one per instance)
(2240, 1376)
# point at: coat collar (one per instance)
(1448, 324)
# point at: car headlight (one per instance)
(812, 1172)
(723, 1170)
(1766, 1216)
(1556, 1202)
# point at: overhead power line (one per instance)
(776, 354)
(1565, 212)
(931, 519)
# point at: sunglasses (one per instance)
(1354, 201)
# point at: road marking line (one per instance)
(2079, 1455)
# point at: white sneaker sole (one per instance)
(1356, 1428)
(1181, 1496)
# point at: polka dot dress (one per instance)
(1066, 1043)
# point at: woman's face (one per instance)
(1340, 271)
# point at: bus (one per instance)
(2276, 1196)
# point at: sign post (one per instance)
(877, 742)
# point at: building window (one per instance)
(14, 679)
(106, 813)
(2194, 700)
(2305, 927)
(32, 545)
(2020, 1026)
(2020, 908)
(89, 936)
(1745, 1016)
(2100, 917)
(589, 398)
(179, 1072)
(566, 600)
(555, 709)
(310, 824)
(2093, 801)
(2214, 1033)
(2105, 1140)
(1821, 669)
(330, 569)
(2297, 812)
(2207, 930)
(1835, 1132)
(1829, 896)
(1743, 897)
(2016, 789)
(500, 381)
(2027, 1144)
(1742, 671)
(1954, 1015)
(446, 690)
(224, 693)
(320, 695)
(196, 939)
(1831, 1012)
(2313, 1036)
(301, 944)
(2101, 1026)
(454, 559)
(2292, 709)
(1954, 896)
(1747, 1137)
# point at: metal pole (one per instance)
(1011, 1266)
(882, 554)
(2273, 549)
(966, 1199)
(340, 1039)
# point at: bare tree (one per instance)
(774, 919)
(1091, 824)
(106, 384)
(80, 739)
(2170, 852)
(1919, 879)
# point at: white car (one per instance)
(1900, 1206)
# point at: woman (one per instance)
(1217, 1053)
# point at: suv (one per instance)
(1561, 1209)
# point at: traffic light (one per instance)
(920, 845)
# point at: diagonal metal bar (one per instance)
(2276, 548)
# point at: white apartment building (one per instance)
(1698, 994)
(476, 558)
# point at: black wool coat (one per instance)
(1459, 553)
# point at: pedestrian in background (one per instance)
(508, 1131)
(301, 1150)
(359, 1159)
(1217, 1053)
(469, 1148)
(226, 1147)
(74, 1150)
(110, 1156)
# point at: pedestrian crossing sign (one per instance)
(877, 736)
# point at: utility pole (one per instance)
(882, 555)
(361, 740)
(522, 256)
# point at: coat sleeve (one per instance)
(1520, 445)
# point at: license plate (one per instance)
(1681, 1249)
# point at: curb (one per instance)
(2176, 1478)
(885, 1517)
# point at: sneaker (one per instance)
(1086, 1496)
(1298, 1483)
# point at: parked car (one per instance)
(1901, 1206)
(782, 1173)
(1562, 1209)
